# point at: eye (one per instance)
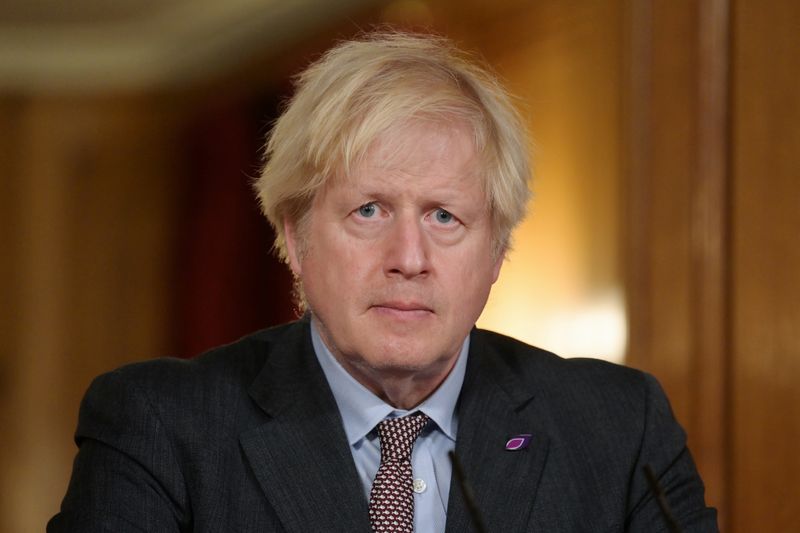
(367, 210)
(443, 217)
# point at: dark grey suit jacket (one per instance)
(248, 438)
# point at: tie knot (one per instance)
(399, 434)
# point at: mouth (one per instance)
(403, 309)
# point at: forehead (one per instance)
(443, 152)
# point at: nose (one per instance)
(406, 246)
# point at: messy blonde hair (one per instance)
(359, 90)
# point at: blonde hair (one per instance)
(359, 90)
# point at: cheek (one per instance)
(334, 268)
(471, 278)
(344, 258)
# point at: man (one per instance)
(394, 179)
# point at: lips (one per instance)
(403, 310)
(403, 306)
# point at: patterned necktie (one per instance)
(391, 500)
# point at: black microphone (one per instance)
(661, 498)
(469, 499)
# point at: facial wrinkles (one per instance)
(408, 197)
(413, 192)
(396, 294)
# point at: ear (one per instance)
(498, 263)
(290, 235)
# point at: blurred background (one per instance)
(664, 233)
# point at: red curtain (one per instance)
(227, 282)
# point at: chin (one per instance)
(416, 357)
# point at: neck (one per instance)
(398, 389)
(401, 388)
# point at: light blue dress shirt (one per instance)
(362, 410)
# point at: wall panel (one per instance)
(766, 267)
(93, 223)
(677, 205)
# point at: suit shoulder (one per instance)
(193, 399)
(597, 395)
(550, 372)
(229, 367)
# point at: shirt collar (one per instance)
(361, 410)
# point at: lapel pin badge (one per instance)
(518, 442)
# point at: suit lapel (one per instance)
(300, 456)
(493, 407)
